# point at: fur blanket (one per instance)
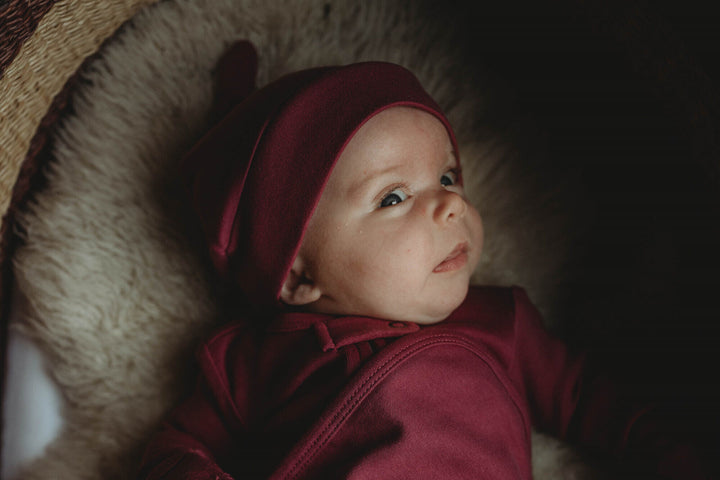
(116, 289)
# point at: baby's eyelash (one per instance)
(456, 173)
(387, 191)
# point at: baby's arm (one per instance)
(190, 443)
(575, 401)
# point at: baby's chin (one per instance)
(440, 315)
(434, 312)
(424, 309)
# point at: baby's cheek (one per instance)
(406, 256)
(356, 265)
(476, 225)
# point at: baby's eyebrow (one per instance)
(360, 186)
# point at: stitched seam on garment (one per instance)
(166, 466)
(378, 374)
(225, 391)
(236, 217)
(362, 390)
(627, 432)
(230, 329)
(364, 337)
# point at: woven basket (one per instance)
(42, 45)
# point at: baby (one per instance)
(333, 198)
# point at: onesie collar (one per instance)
(334, 332)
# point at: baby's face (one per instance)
(393, 236)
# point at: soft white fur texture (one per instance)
(118, 293)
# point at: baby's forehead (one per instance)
(392, 143)
(395, 136)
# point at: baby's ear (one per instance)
(298, 288)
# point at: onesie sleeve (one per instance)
(570, 396)
(545, 369)
(190, 442)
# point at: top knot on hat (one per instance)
(257, 176)
(234, 77)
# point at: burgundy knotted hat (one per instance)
(257, 176)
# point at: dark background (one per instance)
(626, 93)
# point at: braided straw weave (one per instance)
(69, 32)
(18, 21)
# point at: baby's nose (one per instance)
(450, 207)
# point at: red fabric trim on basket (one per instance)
(18, 21)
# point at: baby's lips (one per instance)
(457, 258)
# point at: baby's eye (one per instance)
(448, 178)
(393, 198)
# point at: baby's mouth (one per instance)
(457, 259)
